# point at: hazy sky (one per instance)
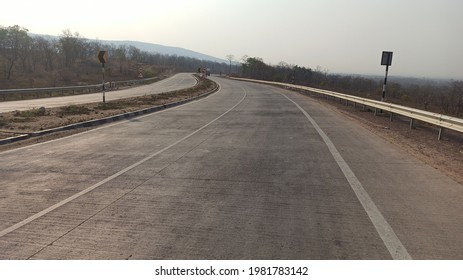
(344, 36)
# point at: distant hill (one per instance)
(155, 48)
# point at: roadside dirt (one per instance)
(445, 155)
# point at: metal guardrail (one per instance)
(82, 89)
(440, 120)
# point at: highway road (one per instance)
(250, 172)
(176, 82)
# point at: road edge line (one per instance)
(384, 229)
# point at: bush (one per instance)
(30, 114)
(73, 110)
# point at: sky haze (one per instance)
(341, 36)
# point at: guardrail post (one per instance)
(391, 117)
(412, 123)
(440, 133)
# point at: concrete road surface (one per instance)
(176, 82)
(251, 172)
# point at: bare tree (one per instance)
(26, 53)
(50, 53)
(12, 40)
(230, 58)
(72, 46)
(120, 54)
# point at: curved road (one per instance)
(251, 172)
(176, 82)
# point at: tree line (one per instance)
(445, 99)
(70, 58)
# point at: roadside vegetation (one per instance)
(439, 97)
(33, 61)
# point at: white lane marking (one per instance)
(385, 231)
(79, 194)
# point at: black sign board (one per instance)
(103, 56)
(386, 58)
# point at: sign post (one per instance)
(386, 59)
(103, 57)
